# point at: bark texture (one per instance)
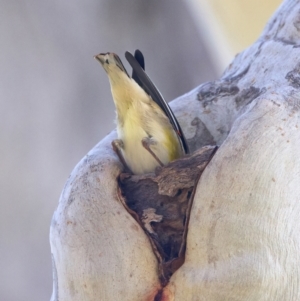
(243, 240)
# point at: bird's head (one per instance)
(111, 63)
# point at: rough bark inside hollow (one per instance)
(161, 204)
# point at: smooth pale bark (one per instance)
(99, 251)
(244, 233)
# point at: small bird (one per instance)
(149, 135)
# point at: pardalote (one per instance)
(149, 135)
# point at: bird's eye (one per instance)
(107, 62)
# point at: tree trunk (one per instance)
(243, 240)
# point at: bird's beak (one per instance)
(100, 57)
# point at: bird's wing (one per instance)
(140, 59)
(150, 89)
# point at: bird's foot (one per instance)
(147, 142)
(117, 146)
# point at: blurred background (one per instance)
(56, 104)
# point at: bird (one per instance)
(149, 134)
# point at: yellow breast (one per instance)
(138, 116)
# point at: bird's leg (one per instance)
(117, 146)
(147, 142)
